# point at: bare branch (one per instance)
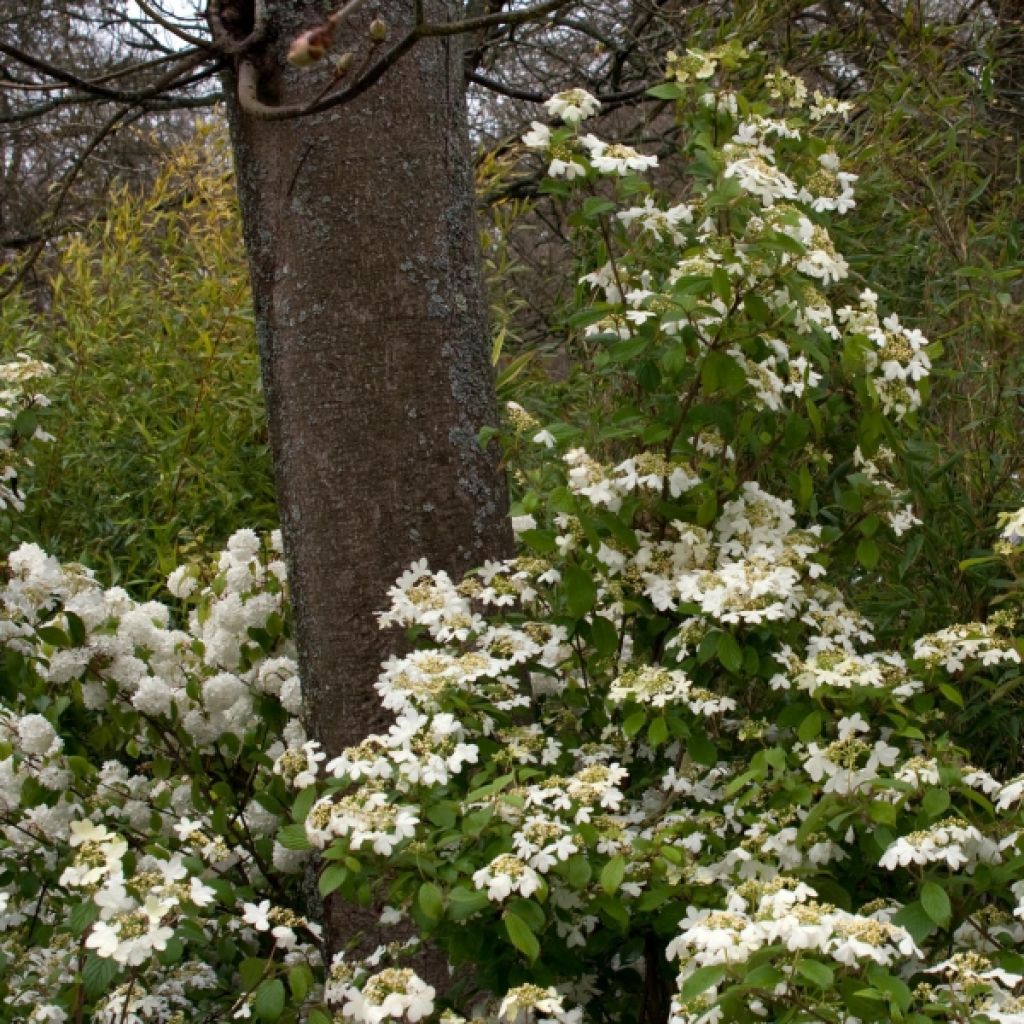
(248, 86)
(248, 77)
(64, 188)
(188, 60)
(60, 74)
(454, 28)
(529, 96)
(169, 26)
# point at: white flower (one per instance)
(104, 939)
(200, 893)
(531, 1002)
(182, 583)
(36, 735)
(520, 524)
(761, 179)
(572, 106)
(614, 158)
(505, 875)
(568, 169)
(538, 137)
(256, 914)
(393, 993)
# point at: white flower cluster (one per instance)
(659, 717)
(1011, 533)
(956, 647)
(894, 355)
(898, 512)
(18, 402)
(953, 843)
(180, 697)
(789, 199)
(132, 655)
(648, 472)
(396, 993)
(571, 156)
(784, 911)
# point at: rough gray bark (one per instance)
(371, 324)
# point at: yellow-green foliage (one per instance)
(157, 407)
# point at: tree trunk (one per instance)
(372, 330)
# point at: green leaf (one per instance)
(54, 636)
(634, 723)
(708, 647)
(765, 976)
(804, 489)
(97, 974)
(251, 971)
(269, 1001)
(780, 240)
(935, 802)
(302, 804)
(721, 372)
(936, 903)
(809, 727)
(657, 733)
(883, 812)
(473, 824)
(293, 837)
(816, 973)
(521, 937)
(333, 877)
(300, 981)
(701, 749)
(612, 874)
(816, 818)
(952, 694)
(595, 206)
(579, 589)
(868, 552)
(700, 981)
(604, 636)
(76, 628)
(444, 815)
(720, 283)
(756, 308)
(463, 903)
(667, 91)
(578, 871)
(893, 987)
(82, 916)
(431, 901)
(541, 541)
(729, 653)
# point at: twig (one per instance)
(248, 79)
(62, 192)
(169, 26)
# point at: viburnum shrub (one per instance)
(656, 767)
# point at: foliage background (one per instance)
(147, 321)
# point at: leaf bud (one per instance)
(378, 30)
(311, 46)
(344, 62)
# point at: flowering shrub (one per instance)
(656, 767)
(140, 794)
